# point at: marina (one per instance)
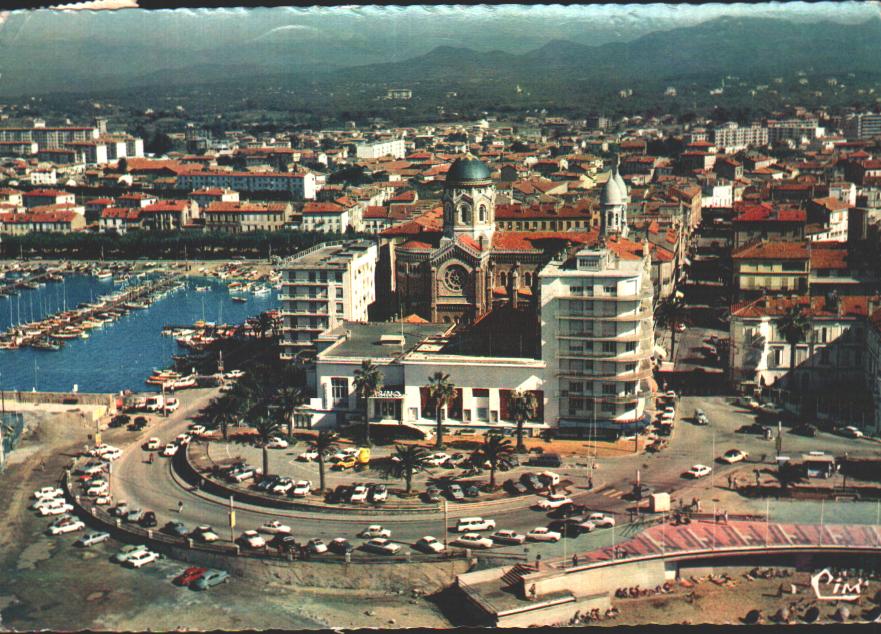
(119, 350)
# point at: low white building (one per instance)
(395, 148)
(301, 185)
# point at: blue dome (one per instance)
(467, 170)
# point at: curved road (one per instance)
(154, 486)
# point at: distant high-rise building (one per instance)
(862, 126)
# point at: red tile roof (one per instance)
(816, 307)
(129, 214)
(176, 206)
(766, 212)
(772, 250)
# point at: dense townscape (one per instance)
(514, 369)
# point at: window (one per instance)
(339, 308)
(494, 416)
(610, 290)
(630, 346)
(414, 413)
(466, 415)
(776, 357)
(609, 347)
(575, 387)
(576, 290)
(339, 293)
(609, 389)
(338, 277)
(575, 406)
(312, 276)
(483, 414)
(608, 408)
(339, 389)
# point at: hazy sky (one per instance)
(401, 31)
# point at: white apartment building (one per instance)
(324, 285)
(794, 129)
(862, 126)
(733, 137)
(380, 148)
(717, 195)
(597, 340)
(326, 217)
(51, 137)
(302, 186)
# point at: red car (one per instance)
(189, 575)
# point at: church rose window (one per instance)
(454, 278)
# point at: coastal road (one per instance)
(155, 487)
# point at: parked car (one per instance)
(284, 542)
(204, 533)
(274, 527)
(359, 494)
(317, 546)
(753, 428)
(601, 520)
(506, 536)
(851, 432)
(549, 478)
(252, 539)
(97, 488)
(210, 579)
(267, 483)
(60, 507)
(567, 510)
(134, 515)
(473, 540)
(241, 475)
(531, 480)
(472, 491)
(127, 551)
(66, 524)
(171, 405)
(345, 463)
(375, 530)
(516, 488)
(170, 450)
(569, 527)
(381, 545)
(301, 488)
(277, 443)
(283, 486)
(733, 455)
(340, 494)
(308, 456)
(90, 539)
(554, 500)
(198, 430)
(120, 510)
(700, 418)
(104, 499)
(455, 492)
(378, 493)
(437, 459)
(42, 502)
(183, 439)
(805, 429)
(543, 534)
(48, 492)
(141, 559)
(699, 471)
(148, 520)
(188, 576)
(433, 494)
(176, 529)
(429, 544)
(340, 546)
(153, 444)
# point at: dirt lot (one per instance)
(47, 583)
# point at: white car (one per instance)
(183, 439)
(129, 550)
(851, 432)
(141, 558)
(554, 501)
(42, 502)
(375, 530)
(252, 539)
(97, 450)
(733, 455)
(317, 546)
(381, 545)
(48, 492)
(69, 526)
(197, 430)
(60, 508)
(171, 404)
(359, 494)
(601, 520)
(153, 444)
(378, 493)
(234, 374)
(308, 456)
(92, 468)
(429, 544)
(505, 536)
(277, 443)
(283, 486)
(301, 488)
(543, 534)
(205, 534)
(437, 459)
(104, 500)
(170, 450)
(699, 471)
(90, 539)
(473, 540)
(98, 489)
(274, 527)
(471, 524)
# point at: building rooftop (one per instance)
(329, 254)
(377, 340)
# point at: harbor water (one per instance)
(122, 354)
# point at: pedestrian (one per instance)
(698, 505)
(725, 516)
(730, 481)
(758, 475)
(42, 464)
(574, 560)
(532, 591)
(589, 482)
(538, 561)
(180, 506)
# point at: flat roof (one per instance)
(363, 340)
(333, 254)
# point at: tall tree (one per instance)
(407, 461)
(442, 391)
(325, 443)
(795, 327)
(267, 428)
(289, 399)
(368, 381)
(522, 406)
(497, 451)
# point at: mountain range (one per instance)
(727, 45)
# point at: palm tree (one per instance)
(442, 391)
(407, 461)
(795, 327)
(522, 405)
(368, 381)
(289, 398)
(323, 444)
(264, 324)
(267, 428)
(497, 451)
